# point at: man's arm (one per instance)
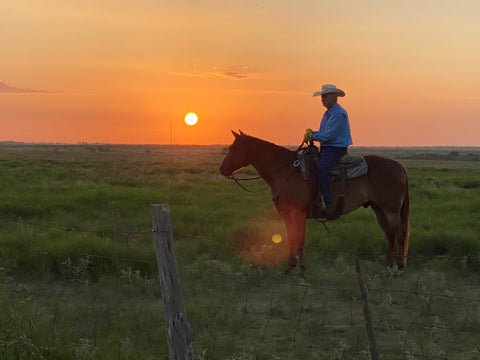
(331, 129)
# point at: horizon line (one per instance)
(80, 143)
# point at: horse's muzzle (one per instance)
(224, 170)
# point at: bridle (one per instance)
(295, 164)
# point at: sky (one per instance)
(127, 71)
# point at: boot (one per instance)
(319, 197)
(327, 202)
(317, 206)
(328, 206)
(333, 214)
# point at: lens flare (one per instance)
(277, 238)
(263, 241)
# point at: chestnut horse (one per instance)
(384, 188)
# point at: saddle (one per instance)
(355, 166)
(351, 166)
(348, 167)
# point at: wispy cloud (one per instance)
(6, 88)
(230, 75)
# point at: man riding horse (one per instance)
(383, 188)
(334, 137)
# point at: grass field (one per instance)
(78, 277)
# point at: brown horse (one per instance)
(384, 188)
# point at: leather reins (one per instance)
(295, 164)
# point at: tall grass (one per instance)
(78, 272)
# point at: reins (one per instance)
(295, 163)
(237, 181)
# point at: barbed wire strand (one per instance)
(150, 232)
(72, 229)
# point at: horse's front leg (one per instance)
(295, 223)
(301, 255)
(292, 245)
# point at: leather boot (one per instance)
(337, 212)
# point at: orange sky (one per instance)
(127, 71)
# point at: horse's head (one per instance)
(237, 156)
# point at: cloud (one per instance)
(231, 75)
(5, 88)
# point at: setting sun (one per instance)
(191, 119)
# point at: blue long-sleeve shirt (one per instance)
(334, 128)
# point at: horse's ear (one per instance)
(235, 134)
(241, 132)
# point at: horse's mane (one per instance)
(264, 145)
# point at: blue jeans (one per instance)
(329, 156)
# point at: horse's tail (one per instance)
(405, 217)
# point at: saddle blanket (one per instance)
(355, 166)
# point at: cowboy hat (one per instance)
(329, 89)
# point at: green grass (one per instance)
(78, 276)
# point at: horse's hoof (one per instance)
(289, 268)
(399, 272)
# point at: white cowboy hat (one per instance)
(329, 89)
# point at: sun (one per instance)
(191, 118)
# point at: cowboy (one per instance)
(334, 137)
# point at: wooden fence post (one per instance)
(177, 326)
(367, 314)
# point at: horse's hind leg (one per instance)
(395, 223)
(389, 234)
(391, 223)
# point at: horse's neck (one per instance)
(270, 159)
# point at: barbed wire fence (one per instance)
(297, 308)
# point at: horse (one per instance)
(384, 188)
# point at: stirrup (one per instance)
(320, 201)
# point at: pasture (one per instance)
(78, 277)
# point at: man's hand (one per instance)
(308, 136)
